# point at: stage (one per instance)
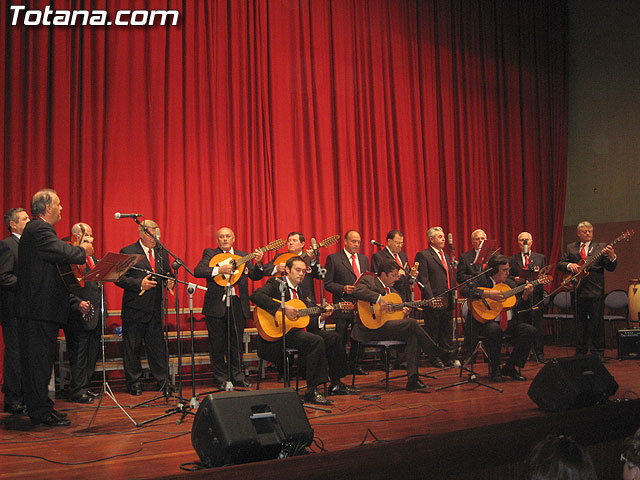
(374, 435)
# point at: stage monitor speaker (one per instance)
(628, 343)
(575, 382)
(241, 427)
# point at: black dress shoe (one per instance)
(92, 394)
(59, 414)
(15, 408)
(414, 383)
(135, 389)
(437, 363)
(342, 389)
(359, 371)
(314, 396)
(510, 371)
(84, 398)
(242, 384)
(51, 420)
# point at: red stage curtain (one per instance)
(280, 115)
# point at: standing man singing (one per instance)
(534, 262)
(215, 309)
(15, 219)
(393, 251)
(142, 309)
(589, 295)
(42, 302)
(467, 267)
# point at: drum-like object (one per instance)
(634, 300)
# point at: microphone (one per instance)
(526, 246)
(158, 233)
(450, 239)
(314, 246)
(377, 244)
(119, 215)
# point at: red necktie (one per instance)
(294, 293)
(90, 263)
(504, 321)
(354, 265)
(387, 289)
(526, 261)
(583, 252)
(152, 260)
(398, 260)
(444, 264)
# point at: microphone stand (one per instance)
(285, 359)
(322, 272)
(472, 377)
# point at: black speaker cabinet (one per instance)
(629, 343)
(241, 427)
(566, 383)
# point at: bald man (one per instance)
(215, 310)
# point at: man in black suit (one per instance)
(215, 310)
(343, 269)
(590, 292)
(295, 246)
(15, 219)
(521, 334)
(467, 267)
(436, 275)
(372, 289)
(323, 352)
(42, 302)
(393, 251)
(533, 262)
(142, 309)
(83, 330)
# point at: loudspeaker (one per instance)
(566, 383)
(629, 343)
(242, 427)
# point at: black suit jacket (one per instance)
(466, 268)
(136, 307)
(264, 297)
(307, 283)
(592, 285)
(213, 305)
(8, 277)
(433, 275)
(340, 273)
(402, 285)
(90, 292)
(473, 292)
(41, 293)
(536, 262)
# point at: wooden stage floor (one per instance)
(115, 448)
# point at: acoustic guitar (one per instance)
(324, 243)
(485, 309)
(72, 274)
(270, 326)
(373, 316)
(572, 281)
(237, 262)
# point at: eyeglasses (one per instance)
(625, 460)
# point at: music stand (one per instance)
(109, 269)
(487, 249)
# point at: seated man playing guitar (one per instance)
(485, 290)
(373, 291)
(323, 352)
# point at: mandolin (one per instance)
(72, 274)
(237, 261)
(324, 243)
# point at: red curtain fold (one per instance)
(280, 115)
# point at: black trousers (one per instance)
(590, 324)
(217, 332)
(38, 345)
(83, 347)
(151, 334)
(342, 329)
(11, 375)
(439, 324)
(521, 336)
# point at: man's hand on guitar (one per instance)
(608, 251)
(258, 255)
(84, 307)
(349, 289)
(384, 306)
(406, 311)
(226, 269)
(328, 311)
(528, 290)
(494, 295)
(88, 248)
(291, 312)
(280, 267)
(573, 267)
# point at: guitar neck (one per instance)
(250, 256)
(593, 259)
(316, 310)
(518, 289)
